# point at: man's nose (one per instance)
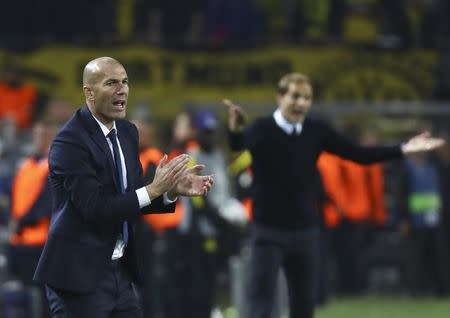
(301, 101)
(121, 90)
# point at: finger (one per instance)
(228, 103)
(182, 159)
(438, 143)
(178, 158)
(163, 161)
(178, 174)
(425, 134)
(195, 169)
(178, 167)
(233, 107)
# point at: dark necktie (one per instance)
(118, 162)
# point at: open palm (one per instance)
(191, 184)
(422, 142)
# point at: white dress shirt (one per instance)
(285, 125)
(142, 194)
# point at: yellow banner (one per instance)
(168, 79)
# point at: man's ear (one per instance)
(88, 93)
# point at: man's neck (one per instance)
(107, 123)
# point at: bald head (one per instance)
(105, 86)
(95, 68)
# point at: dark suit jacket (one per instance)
(88, 208)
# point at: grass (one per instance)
(377, 307)
(386, 307)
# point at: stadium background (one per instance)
(382, 64)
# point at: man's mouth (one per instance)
(120, 104)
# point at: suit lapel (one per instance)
(100, 140)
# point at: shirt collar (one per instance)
(105, 129)
(285, 125)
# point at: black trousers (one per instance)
(297, 253)
(115, 297)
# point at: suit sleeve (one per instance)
(71, 163)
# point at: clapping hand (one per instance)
(422, 142)
(167, 175)
(191, 184)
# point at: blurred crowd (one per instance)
(385, 227)
(226, 24)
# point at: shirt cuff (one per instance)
(166, 199)
(143, 197)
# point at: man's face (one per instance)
(108, 93)
(296, 102)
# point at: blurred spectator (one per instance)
(276, 20)
(338, 9)
(395, 30)
(149, 21)
(166, 23)
(177, 17)
(443, 156)
(233, 23)
(423, 18)
(355, 207)
(58, 111)
(149, 156)
(174, 249)
(314, 16)
(360, 22)
(194, 37)
(31, 209)
(207, 222)
(17, 98)
(422, 223)
(183, 135)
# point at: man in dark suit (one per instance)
(284, 148)
(89, 261)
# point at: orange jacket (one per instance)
(17, 102)
(28, 185)
(365, 192)
(159, 222)
(356, 191)
(330, 168)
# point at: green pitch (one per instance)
(386, 307)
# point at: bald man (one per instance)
(89, 263)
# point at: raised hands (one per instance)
(422, 142)
(175, 178)
(236, 116)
